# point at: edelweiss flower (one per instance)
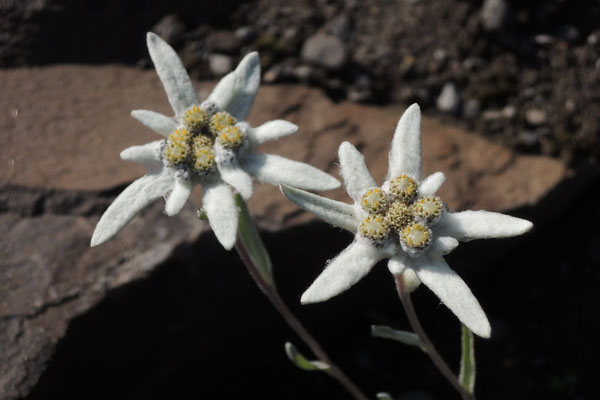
(404, 221)
(206, 143)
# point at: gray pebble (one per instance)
(324, 50)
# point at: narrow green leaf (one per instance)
(467, 361)
(250, 238)
(384, 396)
(302, 362)
(401, 336)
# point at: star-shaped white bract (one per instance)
(206, 143)
(404, 221)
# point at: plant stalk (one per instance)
(296, 325)
(430, 349)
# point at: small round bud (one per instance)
(399, 215)
(415, 238)
(374, 201)
(178, 148)
(430, 208)
(404, 188)
(220, 121)
(195, 119)
(374, 227)
(231, 137)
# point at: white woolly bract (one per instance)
(129, 203)
(405, 154)
(179, 196)
(343, 271)
(236, 177)
(276, 170)
(271, 130)
(354, 171)
(453, 292)
(334, 212)
(470, 225)
(219, 204)
(159, 123)
(431, 184)
(172, 74)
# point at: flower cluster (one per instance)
(206, 143)
(404, 221)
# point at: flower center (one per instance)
(374, 227)
(374, 201)
(429, 208)
(415, 236)
(402, 213)
(195, 119)
(399, 215)
(404, 188)
(192, 147)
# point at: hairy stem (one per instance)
(296, 325)
(430, 349)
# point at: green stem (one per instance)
(295, 324)
(430, 349)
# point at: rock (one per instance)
(77, 127)
(339, 27)
(246, 34)
(224, 42)
(494, 14)
(220, 64)
(508, 112)
(449, 99)
(304, 73)
(528, 138)
(471, 108)
(535, 117)
(170, 28)
(324, 50)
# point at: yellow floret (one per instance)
(178, 148)
(399, 215)
(374, 201)
(204, 159)
(374, 227)
(220, 121)
(231, 137)
(416, 236)
(404, 188)
(195, 119)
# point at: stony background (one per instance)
(163, 312)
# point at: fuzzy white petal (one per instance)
(405, 155)
(354, 171)
(146, 154)
(276, 170)
(172, 74)
(442, 245)
(179, 196)
(432, 184)
(334, 212)
(454, 293)
(271, 130)
(129, 203)
(159, 123)
(343, 271)
(470, 225)
(236, 177)
(236, 91)
(219, 204)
